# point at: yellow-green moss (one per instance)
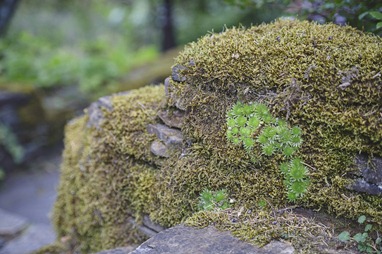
(108, 173)
(260, 226)
(324, 78)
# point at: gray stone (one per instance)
(10, 98)
(184, 240)
(148, 228)
(370, 175)
(148, 223)
(173, 118)
(10, 224)
(169, 139)
(278, 247)
(176, 75)
(123, 250)
(32, 239)
(170, 92)
(371, 172)
(172, 138)
(159, 149)
(95, 113)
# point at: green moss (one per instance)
(323, 78)
(108, 174)
(260, 226)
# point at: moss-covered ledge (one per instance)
(123, 164)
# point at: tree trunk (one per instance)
(168, 40)
(7, 9)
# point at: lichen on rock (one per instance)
(325, 79)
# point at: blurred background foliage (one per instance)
(93, 43)
(65, 54)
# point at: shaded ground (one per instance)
(26, 200)
(32, 192)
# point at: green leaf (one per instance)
(376, 14)
(379, 25)
(368, 227)
(362, 15)
(245, 132)
(268, 150)
(360, 238)
(361, 219)
(220, 195)
(288, 151)
(292, 196)
(262, 139)
(248, 143)
(298, 173)
(298, 187)
(344, 236)
(241, 121)
(284, 167)
(254, 122)
(378, 241)
(231, 122)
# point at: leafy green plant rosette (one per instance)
(213, 200)
(251, 124)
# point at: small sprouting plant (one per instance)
(213, 200)
(365, 243)
(295, 178)
(252, 124)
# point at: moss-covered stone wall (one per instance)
(325, 79)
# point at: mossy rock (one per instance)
(325, 79)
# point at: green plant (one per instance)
(295, 178)
(213, 200)
(377, 15)
(9, 141)
(248, 124)
(363, 240)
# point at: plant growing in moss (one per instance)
(295, 178)
(213, 200)
(365, 243)
(251, 123)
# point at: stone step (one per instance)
(17, 236)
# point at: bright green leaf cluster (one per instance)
(248, 124)
(365, 243)
(295, 178)
(244, 120)
(213, 200)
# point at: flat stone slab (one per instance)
(184, 240)
(32, 239)
(10, 224)
(124, 250)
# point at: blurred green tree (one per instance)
(361, 14)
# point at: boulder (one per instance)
(153, 151)
(183, 240)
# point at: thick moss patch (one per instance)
(325, 79)
(108, 173)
